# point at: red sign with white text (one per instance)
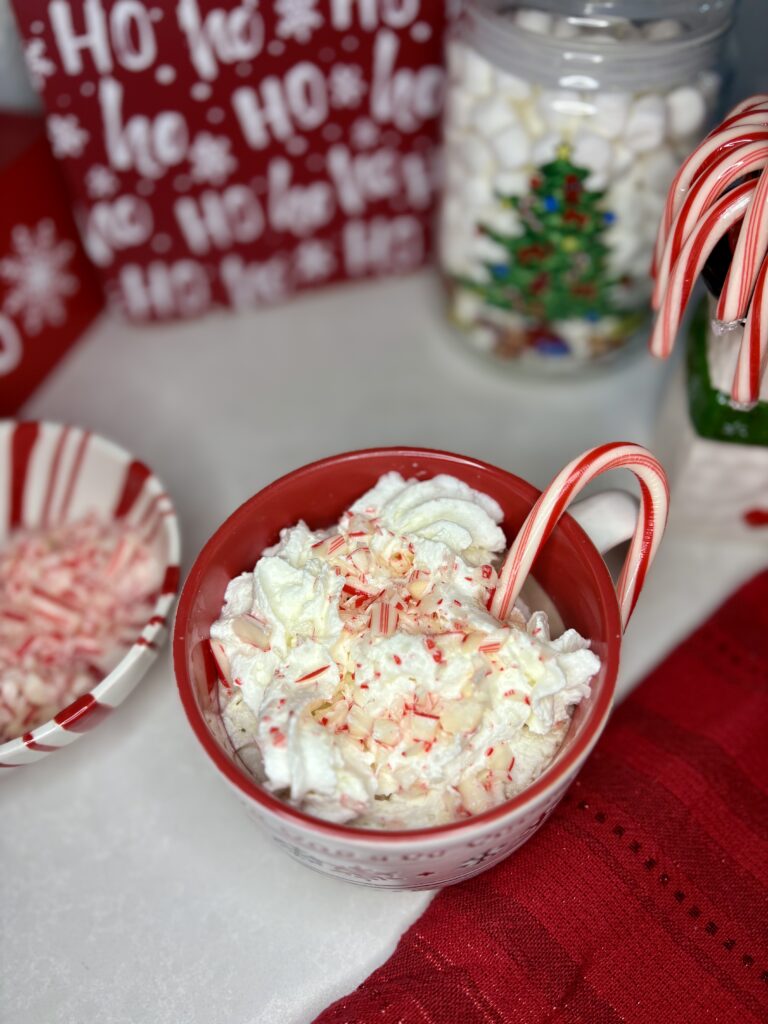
(235, 151)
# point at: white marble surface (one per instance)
(134, 889)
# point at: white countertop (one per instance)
(135, 890)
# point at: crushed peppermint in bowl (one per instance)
(338, 660)
(89, 555)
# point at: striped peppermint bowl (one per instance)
(51, 473)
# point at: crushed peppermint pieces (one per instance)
(73, 598)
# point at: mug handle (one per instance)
(554, 500)
(608, 518)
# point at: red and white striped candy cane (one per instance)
(698, 163)
(753, 354)
(751, 249)
(749, 111)
(545, 514)
(707, 188)
(703, 239)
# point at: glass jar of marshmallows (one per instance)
(563, 133)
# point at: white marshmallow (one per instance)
(534, 124)
(488, 251)
(511, 183)
(597, 181)
(477, 76)
(592, 152)
(647, 123)
(512, 87)
(545, 148)
(627, 252)
(512, 148)
(709, 83)
(564, 29)
(455, 256)
(610, 113)
(502, 218)
(477, 191)
(623, 28)
(452, 211)
(456, 56)
(476, 156)
(666, 28)
(454, 172)
(492, 115)
(686, 111)
(659, 168)
(534, 21)
(467, 306)
(458, 108)
(578, 334)
(560, 107)
(652, 205)
(623, 200)
(623, 158)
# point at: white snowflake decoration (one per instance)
(364, 133)
(38, 277)
(67, 135)
(38, 64)
(348, 87)
(101, 182)
(297, 19)
(210, 159)
(314, 260)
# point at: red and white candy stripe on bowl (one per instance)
(52, 474)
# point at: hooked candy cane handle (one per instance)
(545, 514)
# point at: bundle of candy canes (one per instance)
(720, 189)
(72, 599)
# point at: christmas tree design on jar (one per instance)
(555, 266)
(558, 156)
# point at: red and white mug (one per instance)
(568, 567)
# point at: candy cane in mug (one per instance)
(545, 514)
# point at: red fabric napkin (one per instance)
(644, 898)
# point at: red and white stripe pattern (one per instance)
(726, 212)
(753, 110)
(751, 249)
(726, 170)
(546, 513)
(698, 163)
(51, 474)
(702, 206)
(753, 354)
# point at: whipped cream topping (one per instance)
(363, 678)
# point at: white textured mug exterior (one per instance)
(423, 862)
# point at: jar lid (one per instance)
(688, 12)
(591, 44)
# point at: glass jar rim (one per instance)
(589, 64)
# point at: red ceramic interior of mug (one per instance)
(570, 570)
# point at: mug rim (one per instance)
(553, 774)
